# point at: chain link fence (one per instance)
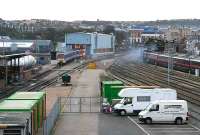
(70, 105)
(80, 104)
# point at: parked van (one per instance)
(165, 111)
(137, 99)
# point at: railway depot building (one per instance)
(40, 49)
(22, 59)
(90, 44)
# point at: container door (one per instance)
(33, 130)
(44, 107)
(35, 114)
(39, 107)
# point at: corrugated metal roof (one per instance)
(23, 43)
(16, 44)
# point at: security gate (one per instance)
(80, 104)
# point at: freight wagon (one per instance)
(27, 108)
(40, 98)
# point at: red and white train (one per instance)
(179, 63)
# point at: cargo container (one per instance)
(15, 123)
(40, 97)
(22, 106)
(107, 92)
(114, 93)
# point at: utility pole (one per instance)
(170, 60)
(5, 64)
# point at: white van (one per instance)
(137, 99)
(165, 111)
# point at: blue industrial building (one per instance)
(90, 44)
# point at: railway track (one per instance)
(142, 74)
(41, 84)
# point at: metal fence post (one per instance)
(99, 104)
(80, 104)
(60, 104)
(90, 105)
(69, 104)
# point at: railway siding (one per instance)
(142, 74)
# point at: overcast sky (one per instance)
(119, 10)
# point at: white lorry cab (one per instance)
(165, 111)
(137, 99)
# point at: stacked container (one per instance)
(38, 97)
(20, 108)
(108, 92)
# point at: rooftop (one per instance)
(27, 95)
(112, 82)
(13, 56)
(17, 105)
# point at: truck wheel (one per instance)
(122, 112)
(179, 121)
(148, 121)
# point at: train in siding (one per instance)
(63, 58)
(179, 63)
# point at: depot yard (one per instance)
(79, 107)
(76, 122)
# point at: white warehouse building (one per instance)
(90, 44)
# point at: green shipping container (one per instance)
(107, 90)
(114, 92)
(22, 106)
(40, 97)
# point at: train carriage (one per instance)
(63, 58)
(179, 63)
